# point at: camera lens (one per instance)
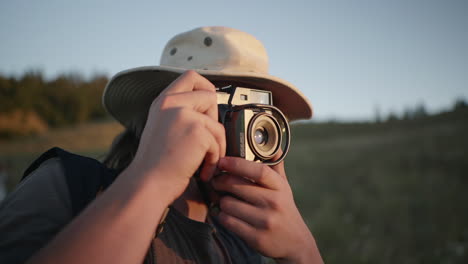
(264, 135)
(261, 136)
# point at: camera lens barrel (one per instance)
(264, 135)
(255, 132)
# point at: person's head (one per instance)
(225, 56)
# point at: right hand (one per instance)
(181, 132)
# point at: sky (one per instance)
(350, 58)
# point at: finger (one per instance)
(218, 131)
(207, 134)
(279, 168)
(211, 157)
(256, 172)
(242, 188)
(239, 227)
(201, 101)
(248, 213)
(218, 135)
(189, 81)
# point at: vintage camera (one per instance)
(255, 129)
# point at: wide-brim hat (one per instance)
(223, 55)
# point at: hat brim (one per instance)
(129, 94)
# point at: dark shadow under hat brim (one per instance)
(129, 94)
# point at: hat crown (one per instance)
(216, 48)
(222, 55)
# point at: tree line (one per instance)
(417, 112)
(30, 104)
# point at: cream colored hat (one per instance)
(223, 55)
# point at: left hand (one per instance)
(261, 210)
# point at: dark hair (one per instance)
(122, 151)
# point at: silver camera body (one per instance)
(255, 129)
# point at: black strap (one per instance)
(85, 176)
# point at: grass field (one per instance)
(91, 139)
(393, 192)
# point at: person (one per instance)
(171, 125)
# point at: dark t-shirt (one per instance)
(40, 207)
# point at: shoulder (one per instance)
(54, 189)
(44, 182)
(84, 176)
(69, 161)
(34, 212)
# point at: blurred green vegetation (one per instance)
(392, 192)
(31, 105)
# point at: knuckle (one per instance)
(274, 203)
(211, 86)
(165, 102)
(221, 129)
(224, 218)
(213, 96)
(190, 74)
(268, 222)
(198, 133)
(258, 241)
(197, 130)
(224, 203)
(181, 113)
(234, 163)
(264, 172)
(210, 96)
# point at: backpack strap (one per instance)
(85, 176)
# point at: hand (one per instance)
(262, 211)
(182, 131)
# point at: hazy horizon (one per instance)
(347, 58)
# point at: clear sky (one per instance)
(348, 57)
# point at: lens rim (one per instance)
(265, 151)
(280, 116)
